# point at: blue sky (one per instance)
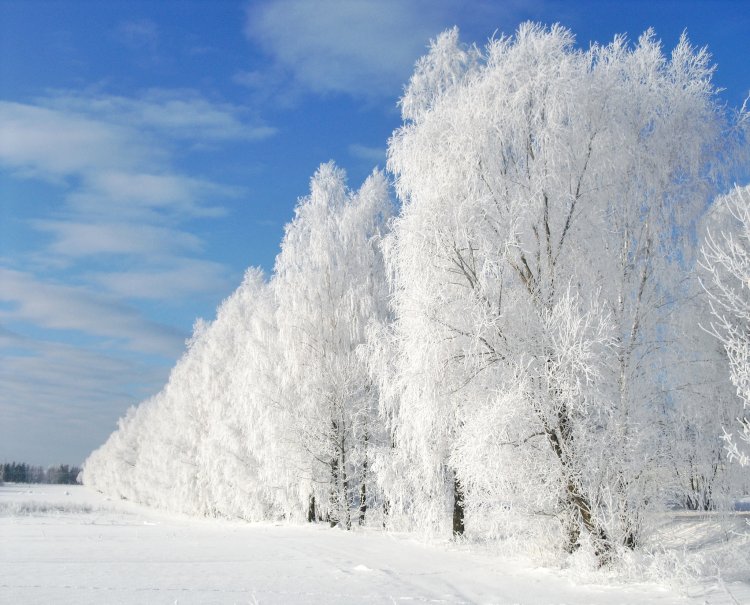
(151, 151)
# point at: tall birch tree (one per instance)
(330, 285)
(546, 191)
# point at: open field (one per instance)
(66, 544)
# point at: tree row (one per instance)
(548, 342)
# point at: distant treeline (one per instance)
(26, 473)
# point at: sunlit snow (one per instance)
(67, 544)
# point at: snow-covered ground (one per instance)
(66, 544)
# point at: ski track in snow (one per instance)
(81, 547)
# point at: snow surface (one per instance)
(65, 544)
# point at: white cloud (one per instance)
(251, 79)
(10, 339)
(268, 84)
(80, 239)
(50, 143)
(68, 134)
(140, 194)
(57, 306)
(375, 155)
(178, 114)
(365, 48)
(113, 153)
(76, 338)
(66, 397)
(50, 367)
(114, 243)
(123, 201)
(186, 277)
(138, 34)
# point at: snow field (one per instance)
(63, 544)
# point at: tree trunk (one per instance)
(577, 503)
(311, 509)
(333, 513)
(582, 508)
(344, 493)
(363, 497)
(363, 487)
(458, 507)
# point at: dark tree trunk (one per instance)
(363, 496)
(578, 505)
(571, 528)
(311, 509)
(458, 507)
(628, 522)
(630, 540)
(333, 504)
(582, 509)
(344, 493)
(363, 486)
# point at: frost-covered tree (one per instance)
(701, 402)
(110, 467)
(188, 448)
(330, 284)
(238, 445)
(271, 408)
(546, 192)
(726, 261)
(522, 355)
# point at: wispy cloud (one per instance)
(114, 242)
(75, 308)
(138, 194)
(181, 278)
(374, 155)
(269, 84)
(68, 133)
(364, 48)
(50, 367)
(138, 34)
(40, 142)
(65, 396)
(178, 114)
(9, 339)
(113, 154)
(81, 239)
